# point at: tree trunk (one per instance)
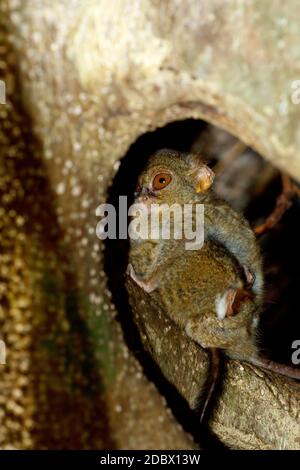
(84, 80)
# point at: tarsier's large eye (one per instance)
(161, 180)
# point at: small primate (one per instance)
(174, 177)
(216, 299)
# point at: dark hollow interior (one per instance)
(280, 321)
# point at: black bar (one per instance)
(138, 459)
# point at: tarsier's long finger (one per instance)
(250, 277)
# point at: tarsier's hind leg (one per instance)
(218, 328)
(224, 306)
(209, 333)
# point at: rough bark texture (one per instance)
(256, 409)
(84, 80)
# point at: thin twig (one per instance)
(229, 157)
(283, 203)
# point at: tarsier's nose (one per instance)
(143, 193)
(138, 191)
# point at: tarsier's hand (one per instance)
(148, 286)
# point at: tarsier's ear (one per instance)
(202, 175)
(204, 179)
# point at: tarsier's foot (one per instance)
(224, 303)
(147, 286)
(225, 329)
(228, 303)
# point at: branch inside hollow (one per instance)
(283, 203)
(250, 395)
(234, 152)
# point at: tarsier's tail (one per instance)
(203, 407)
(282, 369)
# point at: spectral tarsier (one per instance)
(225, 316)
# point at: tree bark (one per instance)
(83, 83)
